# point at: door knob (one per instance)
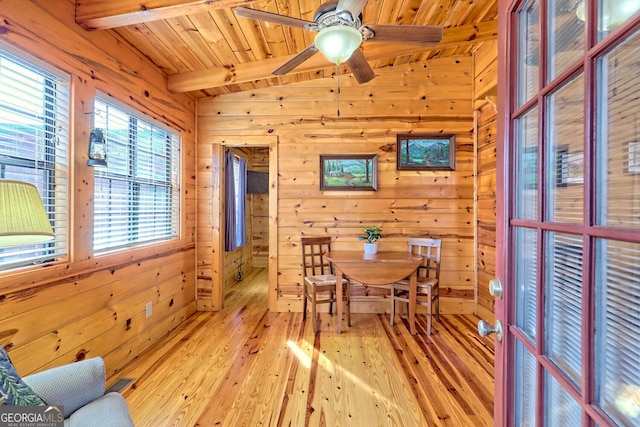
(495, 287)
(485, 328)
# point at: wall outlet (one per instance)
(149, 309)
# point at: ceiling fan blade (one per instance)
(296, 60)
(271, 17)
(360, 67)
(353, 6)
(417, 35)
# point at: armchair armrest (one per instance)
(71, 386)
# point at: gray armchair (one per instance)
(79, 387)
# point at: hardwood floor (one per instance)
(246, 366)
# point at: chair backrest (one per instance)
(313, 263)
(430, 251)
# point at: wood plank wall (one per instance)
(95, 306)
(260, 214)
(485, 85)
(426, 97)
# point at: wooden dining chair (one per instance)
(319, 280)
(428, 279)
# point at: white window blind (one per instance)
(618, 142)
(563, 300)
(34, 139)
(137, 196)
(617, 346)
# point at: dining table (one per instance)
(382, 268)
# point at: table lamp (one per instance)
(23, 219)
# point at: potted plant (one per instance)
(372, 234)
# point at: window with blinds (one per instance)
(34, 140)
(137, 195)
(618, 143)
(617, 329)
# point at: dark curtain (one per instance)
(235, 234)
(230, 205)
(241, 209)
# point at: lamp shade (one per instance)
(338, 43)
(23, 220)
(615, 12)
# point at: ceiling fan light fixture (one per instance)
(338, 43)
(581, 12)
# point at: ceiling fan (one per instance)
(340, 33)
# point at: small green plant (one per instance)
(372, 234)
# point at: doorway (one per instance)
(251, 220)
(211, 251)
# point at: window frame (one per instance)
(133, 182)
(51, 131)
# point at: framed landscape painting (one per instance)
(569, 167)
(348, 172)
(633, 157)
(426, 152)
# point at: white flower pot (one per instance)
(371, 248)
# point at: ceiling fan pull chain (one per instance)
(338, 89)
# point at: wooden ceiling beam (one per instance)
(103, 14)
(462, 36)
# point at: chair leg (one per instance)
(347, 289)
(313, 311)
(332, 297)
(438, 308)
(304, 302)
(393, 306)
(429, 312)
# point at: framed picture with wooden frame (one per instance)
(633, 157)
(348, 172)
(569, 167)
(426, 152)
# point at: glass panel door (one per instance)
(617, 259)
(569, 245)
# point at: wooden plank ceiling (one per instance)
(205, 49)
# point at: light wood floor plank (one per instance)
(247, 366)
